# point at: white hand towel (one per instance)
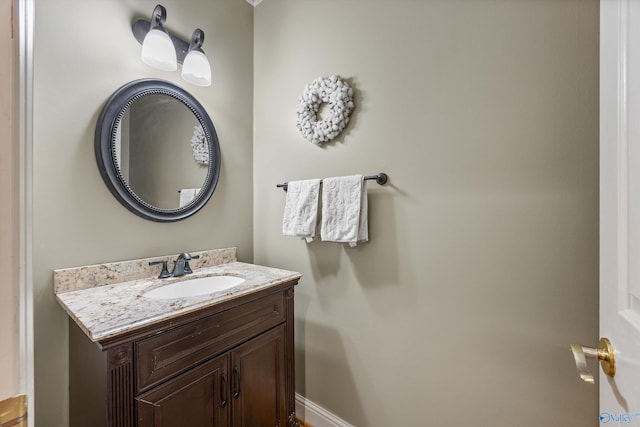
(301, 209)
(187, 195)
(344, 210)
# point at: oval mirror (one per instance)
(157, 150)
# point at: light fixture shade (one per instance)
(158, 51)
(196, 69)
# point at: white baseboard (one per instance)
(315, 415)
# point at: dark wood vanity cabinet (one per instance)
(196, 398)
(229, 365)
(245, 385)
(258, 392)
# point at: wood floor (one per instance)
(13, 412)
(303, 424)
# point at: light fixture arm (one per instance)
(158, 18)
(197, 39)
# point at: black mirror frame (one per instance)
(104, 145)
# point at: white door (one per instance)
(620, 208)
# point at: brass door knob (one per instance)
(604, 353)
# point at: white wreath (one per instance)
(334, 91)
(199, 146)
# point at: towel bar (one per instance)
(380, 178)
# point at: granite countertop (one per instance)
(109, 310)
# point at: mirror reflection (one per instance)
(168, 163)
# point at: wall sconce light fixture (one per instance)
(164, 51)
(195, 68)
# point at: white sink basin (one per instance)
(194, 287)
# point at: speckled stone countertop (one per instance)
(105, 311)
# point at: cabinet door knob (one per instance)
(604, 353)
(224, 387)
(236, 373)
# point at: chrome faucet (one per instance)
(181, 265)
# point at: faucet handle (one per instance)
(187, 267)
(165, 271)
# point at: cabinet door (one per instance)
(258, 381)
(197, 398)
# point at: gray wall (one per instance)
(84, 51)
(482, 263)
